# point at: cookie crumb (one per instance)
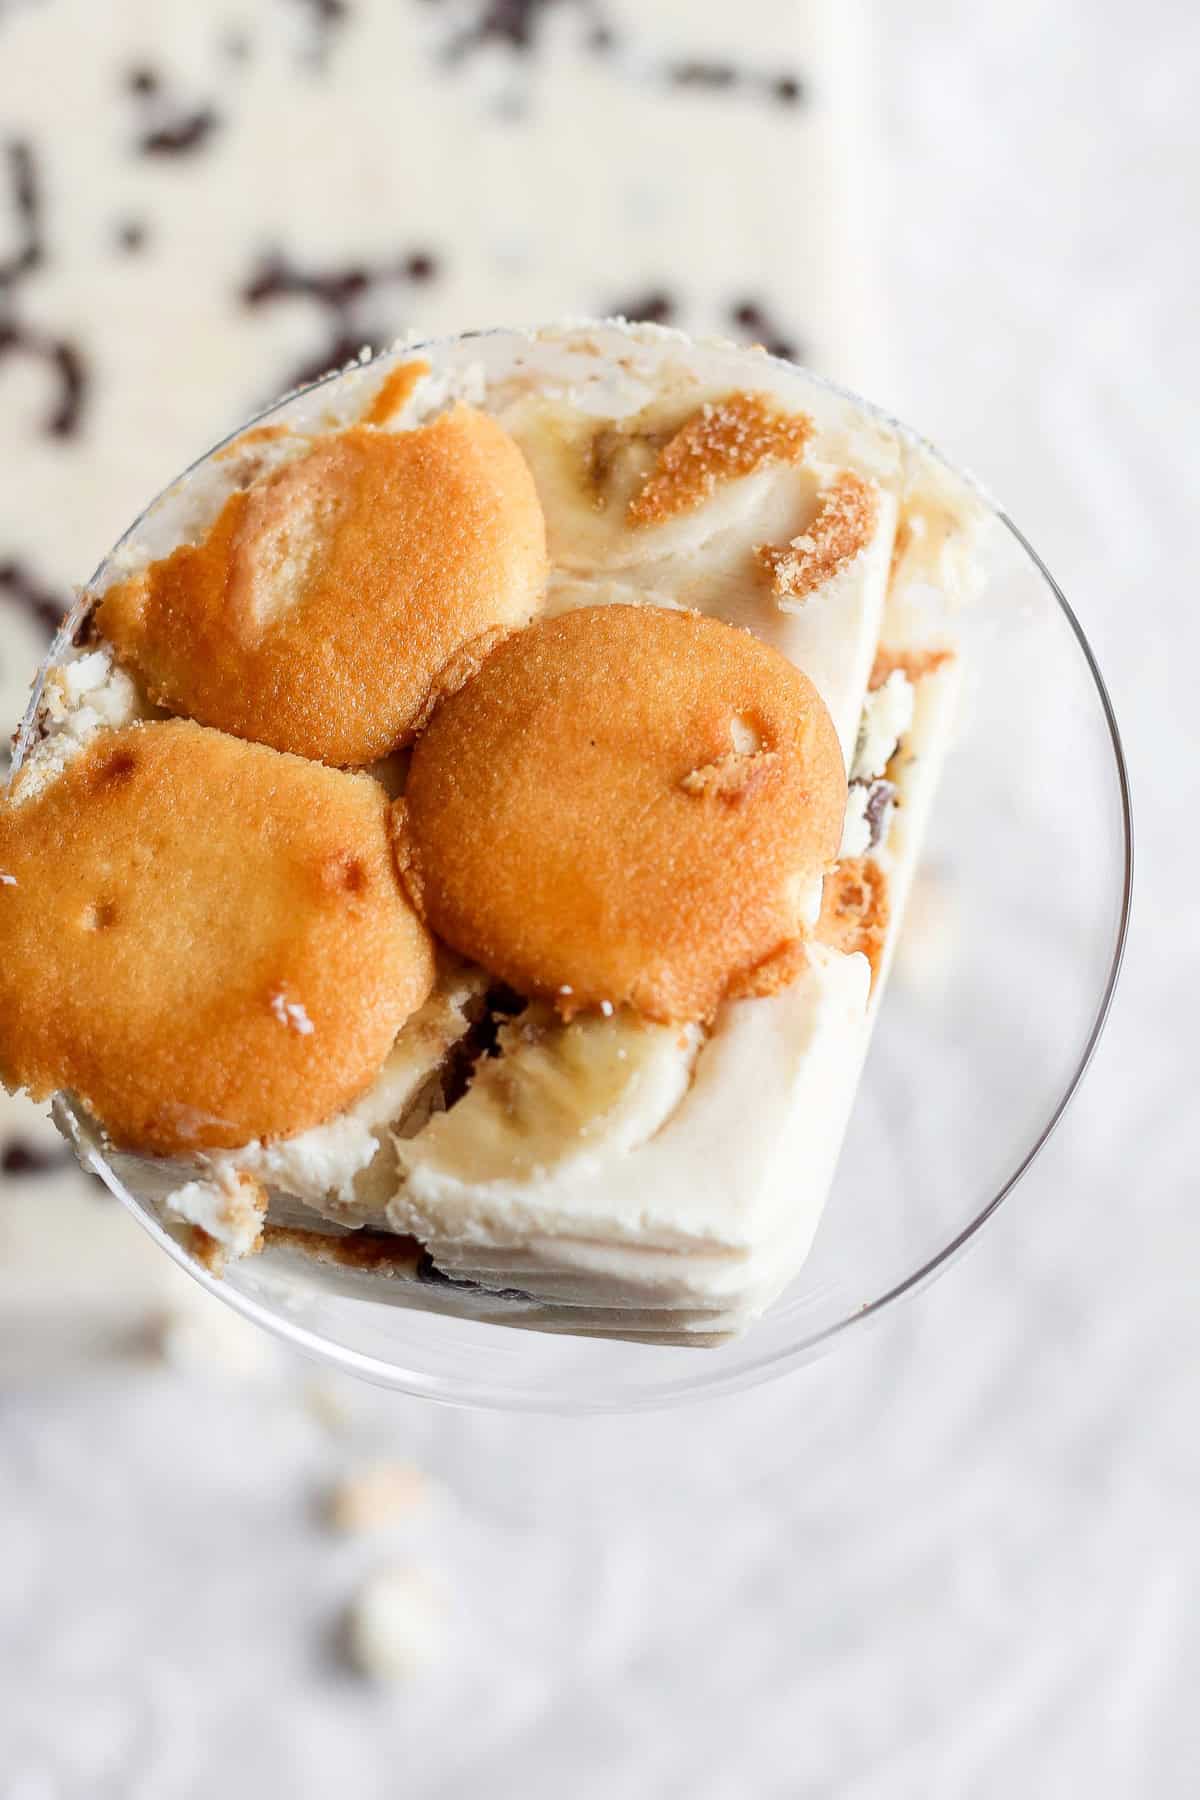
(225, 1214)
(733, 777)
(292, 1014)
(840, 531)
(723, 440)
(377, 1497)
(855, 911)
(915, 664)
(395, 391)
(396, 1625)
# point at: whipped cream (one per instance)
(228, 1210)
(886, 715)
(79, 698)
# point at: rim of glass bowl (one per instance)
(697, 1384)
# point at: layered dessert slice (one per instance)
(638, 657)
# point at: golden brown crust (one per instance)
(206, 941)
(571, 822)
(205, 1250)
(248, 1197)
(461, 667)
(916, 664)
(395, 390)
(855, 909)
(841, 529)
(723, 440)
(773, 973)
(321, 605)
(376, 1252)
(251, 439)
(252, 454)
(734, 777)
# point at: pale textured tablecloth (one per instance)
(958, 1557)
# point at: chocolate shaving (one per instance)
(181, 135)
(72, 377)
(703, 74)
(429, 1274)
(512, 22)
(19, 1157)
(27, 206)
(339, 293)
(42, 603)
(756, 324)
(881, 797)
(276, 278)
(340, 349)
(167, 130)
(653, 308)
(517, 25)
(63, 361)
(61, 358)
(328, 16)
(725, 77)
(421, 266)
(481, 1040)
(85, 632)
(131, 235)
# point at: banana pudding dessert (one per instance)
(460, 839)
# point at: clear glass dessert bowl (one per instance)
(1002, 980)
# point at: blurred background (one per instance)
(958, 1557)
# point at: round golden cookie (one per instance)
(326, 599)
(626, 805)
(205, 940)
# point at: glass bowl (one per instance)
(1002, 983)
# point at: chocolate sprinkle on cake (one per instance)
(131, 235)
(20, 1157)
(27, 205)
(144, 82)
(338, 292)
(880, 800)
(44, 606)
(327, 18)
(181, 135)
(702, 75)
(516, 24)
(755, 323)
(654, 308)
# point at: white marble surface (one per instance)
(957, 1558)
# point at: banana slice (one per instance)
(346, 1170)
(587, 470)
(556, 1094)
